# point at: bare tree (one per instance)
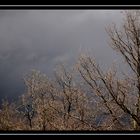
(73, 100)
(9, 117)
(103, 85)
(127, 42)
(39, 92)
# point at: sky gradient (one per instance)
(41, 39)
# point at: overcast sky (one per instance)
(40, 39)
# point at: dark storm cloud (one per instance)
(37, 39)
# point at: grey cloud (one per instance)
(40, 39)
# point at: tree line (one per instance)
(85, 97)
